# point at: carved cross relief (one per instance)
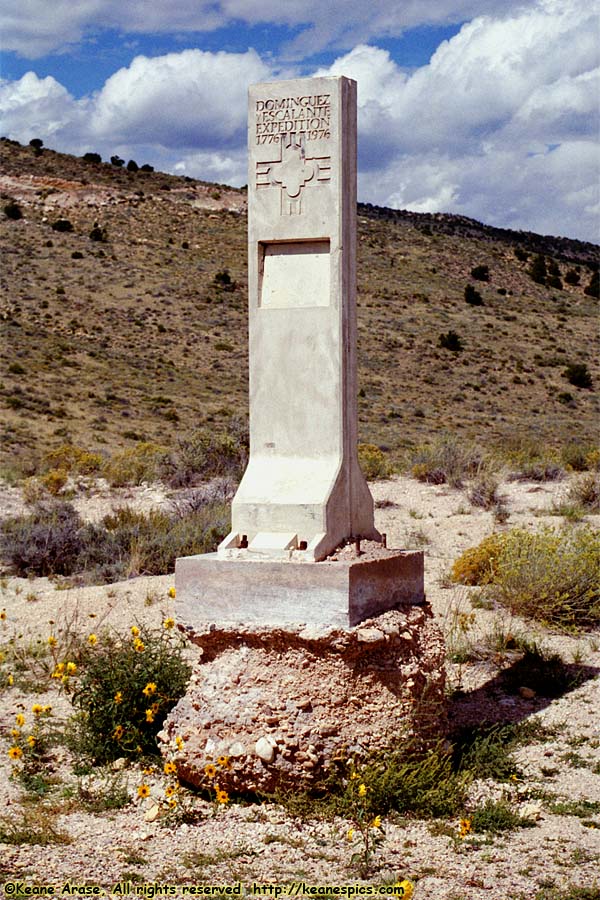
(292, 170)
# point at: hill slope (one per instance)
(139, 334)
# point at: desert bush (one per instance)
(580, 457)
(552, 576)
(481, 273)
(126, 687)
(147, 168)
(53, 540)
(36, 143)
(149, 544)
(450, 341)
(144, 462)
(424, 784)
(73, 459)
(472, 296)
(578, 375)
(13, 211)
(447, 459)
(54, 481)
(522, 255)
(62, 225)
(92, 158)
(495, 816)
(538, 271)
(208, 454)
(593, 288)
(224, 281)
(132, 166)
(483, 492)
(98, 234)
(572, 277)
(478, 565)
(373, 462)
(117, 161)
(585, 492)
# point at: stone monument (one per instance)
(316, 642)
(303, 493)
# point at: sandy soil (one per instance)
(263, 843)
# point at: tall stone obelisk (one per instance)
(303, 492)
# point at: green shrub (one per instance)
(13, 211)
(578, 375)
(373, 462)
(125, 690)
(496, 816)
(481, 273)
(553, 576)
(580, 457)
(92, 158)
(424, 784)
(572, 277)
(472, 296)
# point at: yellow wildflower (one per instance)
(118, 732)
(179, 742)
(407, 888)
(172, 593)
(60, 668)
(465, 827)
(376, 823)
(173, 802)
(31, 740)
(143, 791)
(47, 708)
(118, 698)
(170, 768)
(37, 709)
(362, 790)
(353, 776)
(92, 639)
(20, 719)
(149, 715)
(135, 630)
(170, 790)
(350, 834)
(223, 761)
(222, 796)
(15, 732)
(210, 771)
(169, 623)
(15, 753)
(71, 668)
(10, 680)
(52, 642)
(149, 689)
(139, 645)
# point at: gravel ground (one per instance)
(262, 842)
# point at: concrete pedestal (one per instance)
(337, 593)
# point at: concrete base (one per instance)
(338, 593)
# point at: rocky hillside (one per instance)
(124, 316)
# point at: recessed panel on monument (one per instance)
(303, 492)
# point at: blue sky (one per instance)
(483, 108)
